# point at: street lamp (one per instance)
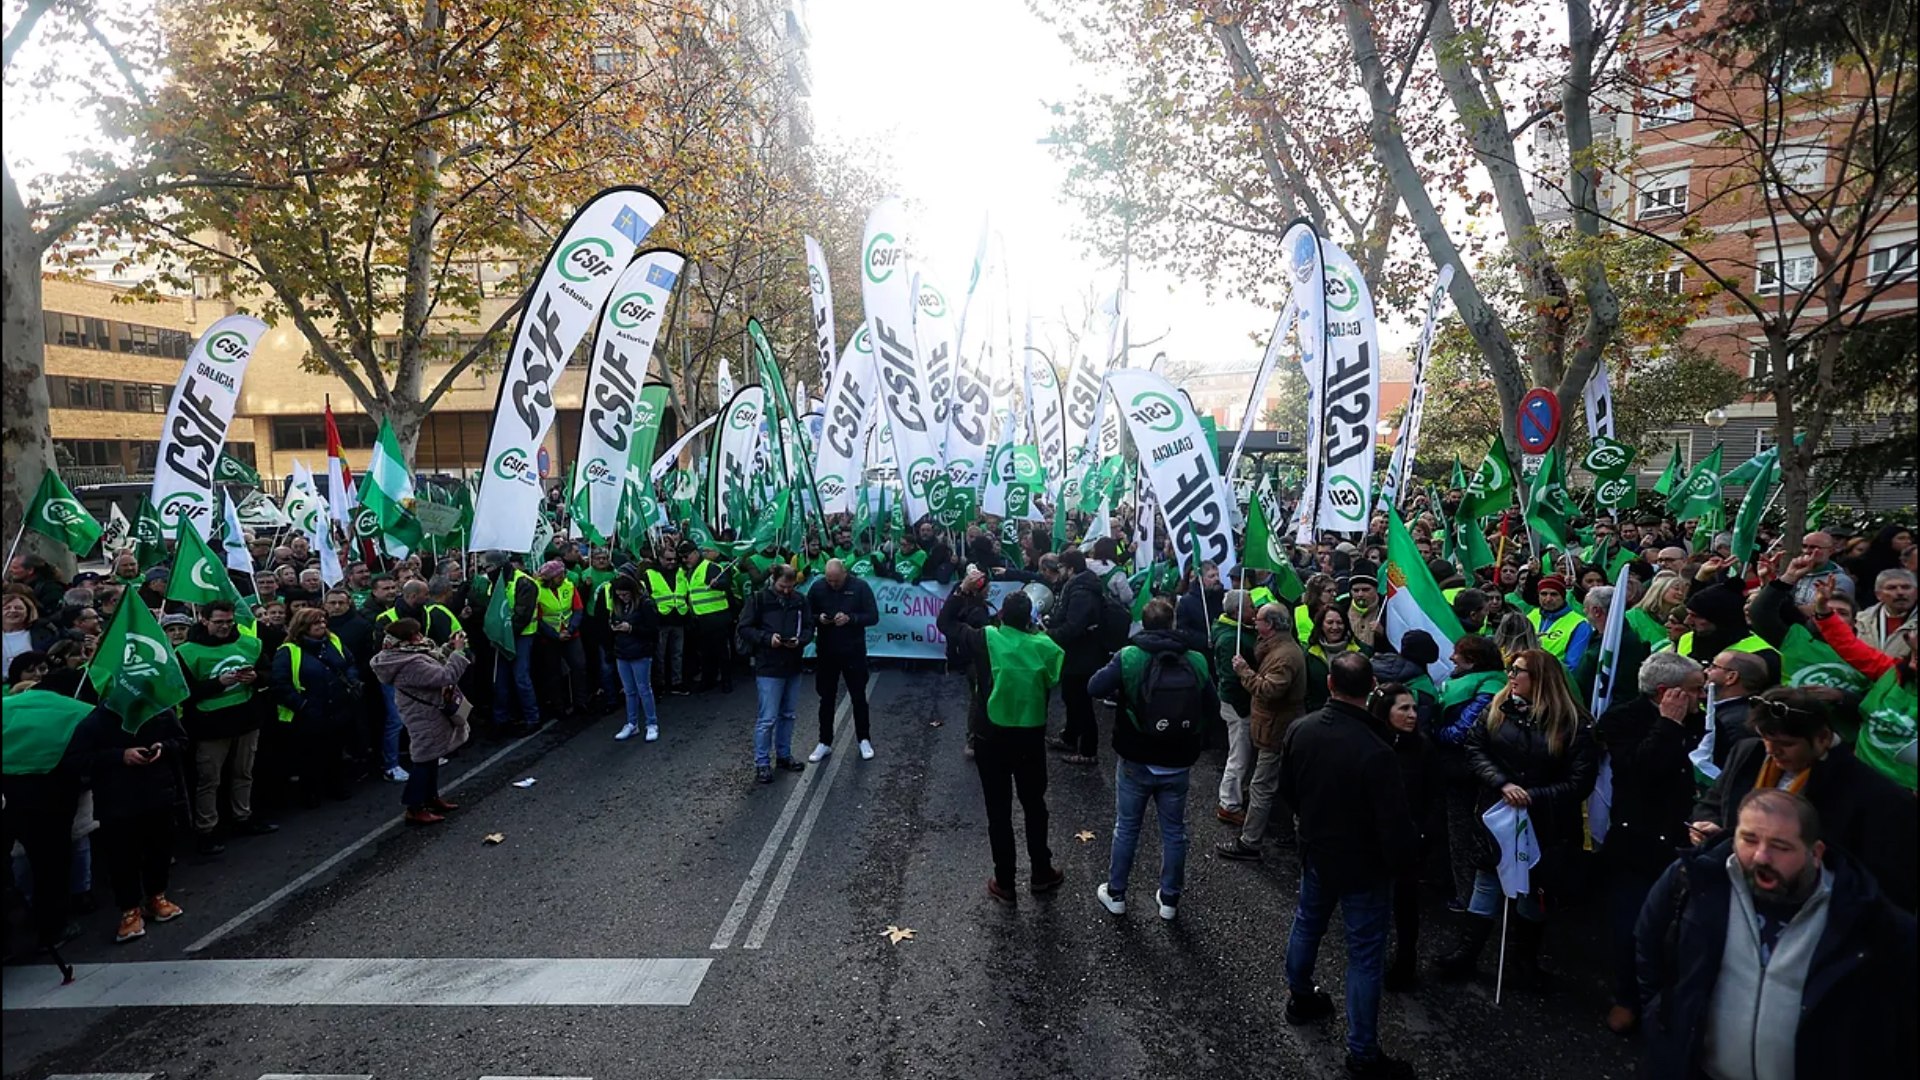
(1385, 428)
(1715, 418)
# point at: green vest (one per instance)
(556, 605)
(671, 599)
(1026, 667)
(1463, 688)
(702, 597)
(1302, 623)
(1557, 635)
(206, 662)
(293, 669)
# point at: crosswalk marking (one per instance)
(105, 1076)
(445, 982)
(316, 1076)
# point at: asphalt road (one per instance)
(668, 851)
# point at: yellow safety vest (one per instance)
(1261, 596)
(1449, 594)
(556, 605)
(670, 599)
(1752, 643)
(1302, 623)
(1557, 637)
(705, 599)
(286, 714)
(513, 587)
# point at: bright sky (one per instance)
(963, 112)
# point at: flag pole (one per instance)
(19, 535)
(1500, 968)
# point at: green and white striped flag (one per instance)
(1414, 600)
(386, 488)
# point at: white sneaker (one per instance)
(866, 750)
(1113, 906)
(627, 731)
(397, 774)
(820, 752)
(1167, 911)
(653, 732)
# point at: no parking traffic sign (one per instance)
(1539, 421)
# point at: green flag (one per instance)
(1746, 524)
(1664, 486)
(1765, 463)
(57, 515)
(1887, 729)
(1457, 480)
(497, 623)
(1607, 458)
(1549, 508)
(149, 536)
(1470, 548)
(386, 488)
(35, 728)
(199, 577)
(1263, 553)
(1490, 490)
(228, 469)
(1615, 493)
(1818, 506)
(134, 670)
(1701, 494)
(1806, 660)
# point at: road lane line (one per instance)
(750, 888)
(347, 852)
(382, 982)
(777, 892)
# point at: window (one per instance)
(1801, 168)
(1892, 260)
(145, 455)
(82, 332)
(91, 452)
(1665, 103)
(1793, 268)
(356, 433)
(608, 59)
(1667, 14)
(1805, 76)
(1671, 281)
(1760, 362)
(76, 331)
(1664, 196)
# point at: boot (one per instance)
(1461, 961)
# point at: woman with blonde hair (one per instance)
(1665, 598)
(1533, 751)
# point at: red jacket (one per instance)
(1866, 659)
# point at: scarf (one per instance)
(1770, 773)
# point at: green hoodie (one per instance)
(1026, 667)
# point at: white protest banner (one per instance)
(671, 459)
(578, 276)
(1408, 441)
(1178, 459)
(1045, 413)
(820, 297)
(1095, 356)
(1598, 399)
(621, 353)
(891, 290)
(853, 404)
(115, 534)
(1350, 407)
(197, 420)
(733, 460)
(1299, 244)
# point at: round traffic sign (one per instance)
(1539, 421)
(543, 462)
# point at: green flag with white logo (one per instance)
(228, 469)
(1663, 487)
(1887, 730)
(386, 488)
(1701, 494)
(1549, 508)
(1807, 660)
(135, 671)
(57, 515)
(1746, 523)
(149, 536)
(1490, 489)
(199, 576)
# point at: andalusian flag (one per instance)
(386, 488)
(1414, 600)
(1663, 487)
(57, 515)
(35, 729)
(135, 671)
(1701, 494)
(149, 536)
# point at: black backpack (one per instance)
(1169, 702)
(1115, 627)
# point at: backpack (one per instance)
(1115, 626)
(1164, 693)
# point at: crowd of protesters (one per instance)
(1727, 786)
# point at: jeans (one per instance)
(636, 678)
(1487, 899)
(513, 680)
(1368, 914)
(1082, 731)
(672, 653)
(423, 784)
(1263, 799)
(210, 758)
(1134, 786)
(773, 728)
(827, 676)
(1010, 760)
(1233, 778)
(390, 737)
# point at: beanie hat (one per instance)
(1553, 581)
(1419, 647)
(1721, 604)
(552, 568)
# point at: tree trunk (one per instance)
(26, 448)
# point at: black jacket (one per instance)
(1861, 812)
(1074, 620)
(1343, 782)
(1194, 614)
(854, 599)
(1858, 988)
(769, 612)
(1517, 752)
(1134, 744)
(642, 637)
(962, 608)
(1419, 772)
(1652, 785)
(359, 637)
(122, 791)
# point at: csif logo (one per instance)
(882, 254)
(920, 476)
(61, 513)
(818, 283)
(1158, 411)
(366, 523)
(1346, 498)
(182, 504)
(832, 486)
(632, 309)
(745, 417)
(1606, 457)
(644, 414)
(932, 304)
(598, 473)
(199, 576)
(513, 465)
(585, 259)
(142, 657)
(228, 346)
(1613, 491)
(861, 342)
(1343, 293)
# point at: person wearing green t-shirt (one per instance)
(1015, 668)
(223, 719)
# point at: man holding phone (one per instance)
(223, 719)
(777, 624)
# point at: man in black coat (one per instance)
(843, 608)
(1861, 812)
(1356, 832)
(1074, 624)
(776, 625)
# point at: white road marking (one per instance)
(777, 892)
(445, 982)
(316, 1076)
(103, 1076)
(344, 853)
(536, 1078)
(743, 900)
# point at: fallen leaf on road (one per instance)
(1084, 835)
(494, 838)
(528, 782)
(896, 934)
